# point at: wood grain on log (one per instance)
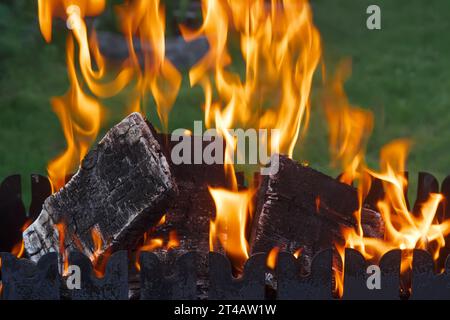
(122, 188)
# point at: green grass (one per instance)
(401, 72)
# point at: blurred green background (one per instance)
(401, 72)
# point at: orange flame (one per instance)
(272, 258)
(19, 248)
(99, 257)
(48, 9)
(147, 19)
(298, 253)
(281, 49)
(349, 127)
(228, 228)
(151, 244)
(80, 114)
(402, 229)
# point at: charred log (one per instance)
(122, 188)
(189, 215)
(301, 209)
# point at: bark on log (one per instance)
(301, 208)
(122, 188)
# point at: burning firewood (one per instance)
(121, 189)
(299, 208)
(185, 226)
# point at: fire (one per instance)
(228, 228)
(19, 248)
(350, 128)
(151, 244)
(99, 257)
(48, 9)
(281, 49)
(81, 114)
(403, 229)
(146, 18)
(298, 253)
(272, 258)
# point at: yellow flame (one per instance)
(47, 9)
(349, 127)
(228, 227)
(80, 116)
(281, 48)
(147, 19)
(403, 229)
(272, 258)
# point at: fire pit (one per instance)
(144, 214)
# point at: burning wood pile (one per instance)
(131, 193)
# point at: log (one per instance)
(299, 208)
(189, 215)
(121, 189)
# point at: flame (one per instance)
(18, 249)
(99, 257)
(228, 227)
(60, 227)
(298, 253)
(47, 9)
(173, 240)
(272, 258)
(349, 127)
(147, 19)
(162, 221)
(281, 49)
(403, 229)
(151, 244)
(81, 114)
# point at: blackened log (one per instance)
(122, 188)
(190, 213)
(299, 208)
